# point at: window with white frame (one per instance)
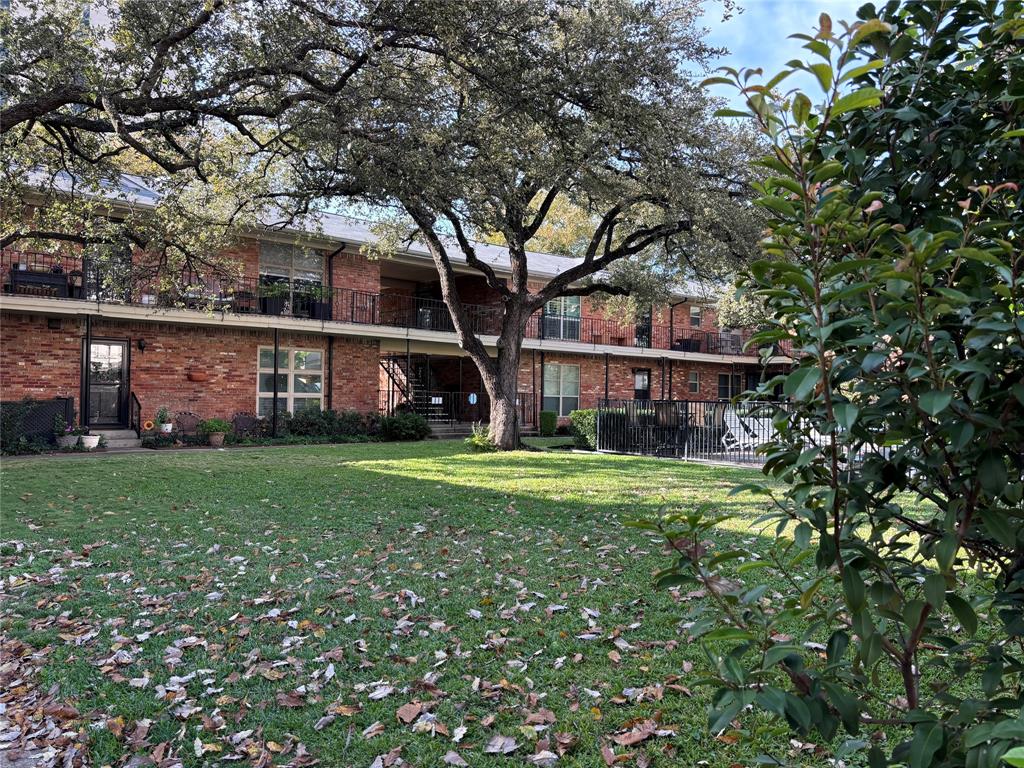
(561, 388)
(301, 268)
(561, 318)
(694, 381)
(300, 380)
(695, 316)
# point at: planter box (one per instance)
(320, 310)
(67, 441)
(272, 305)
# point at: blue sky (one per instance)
(759, 36)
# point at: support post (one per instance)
(663, 378)
(540, 395)
(277, 345)
(670, 362)
(533, 374)
(83, 417)
(606, 377)
(330, 373)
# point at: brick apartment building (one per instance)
(349, 332)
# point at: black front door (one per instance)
(108, 383)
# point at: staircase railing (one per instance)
(135, 415)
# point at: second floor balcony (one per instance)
(50, 277)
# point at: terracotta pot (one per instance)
(67, 441)
(89, 442)
(198, 376)
(216, 439)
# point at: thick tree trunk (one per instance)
(504, 426)
(503, 387)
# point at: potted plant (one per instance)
(66, 436)
(320, 302)
(163, 420)
(273, 297)
(89, 442)
(215, 431)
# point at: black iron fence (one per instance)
(33, 420)
(707, 430)
(710, 430)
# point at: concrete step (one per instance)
(118, 438)
(114, 434)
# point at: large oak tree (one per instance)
(468, 118)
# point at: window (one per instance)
(300, 268)
(641, 383)
(561, 388)
(728, 385)
(299, 380)
(561, 318)
(695, 317)
(694, 381)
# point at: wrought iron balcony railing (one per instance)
(49, 276)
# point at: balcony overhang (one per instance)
(392, 338)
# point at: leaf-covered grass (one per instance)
(485, 587)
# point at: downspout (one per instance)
(277, 340)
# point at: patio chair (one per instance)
(186, 423)
(245, 424)
(758, 427)
(736, 436)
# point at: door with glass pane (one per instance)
(107, 383)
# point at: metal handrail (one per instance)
(135, 415)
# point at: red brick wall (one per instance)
(620, 377)
(39, 362)
(356, 272)
(474, 290)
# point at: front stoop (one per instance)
(118, 438)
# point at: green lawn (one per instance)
(245, 603)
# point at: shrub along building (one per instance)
(313, 322)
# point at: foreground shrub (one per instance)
(404, 426)
(583, 428)
(548, 423)
(480, 441)
(316, 423)
(897, 273)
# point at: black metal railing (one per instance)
(605, 332)
(135, 415)
(451, 407)
(51, 276)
